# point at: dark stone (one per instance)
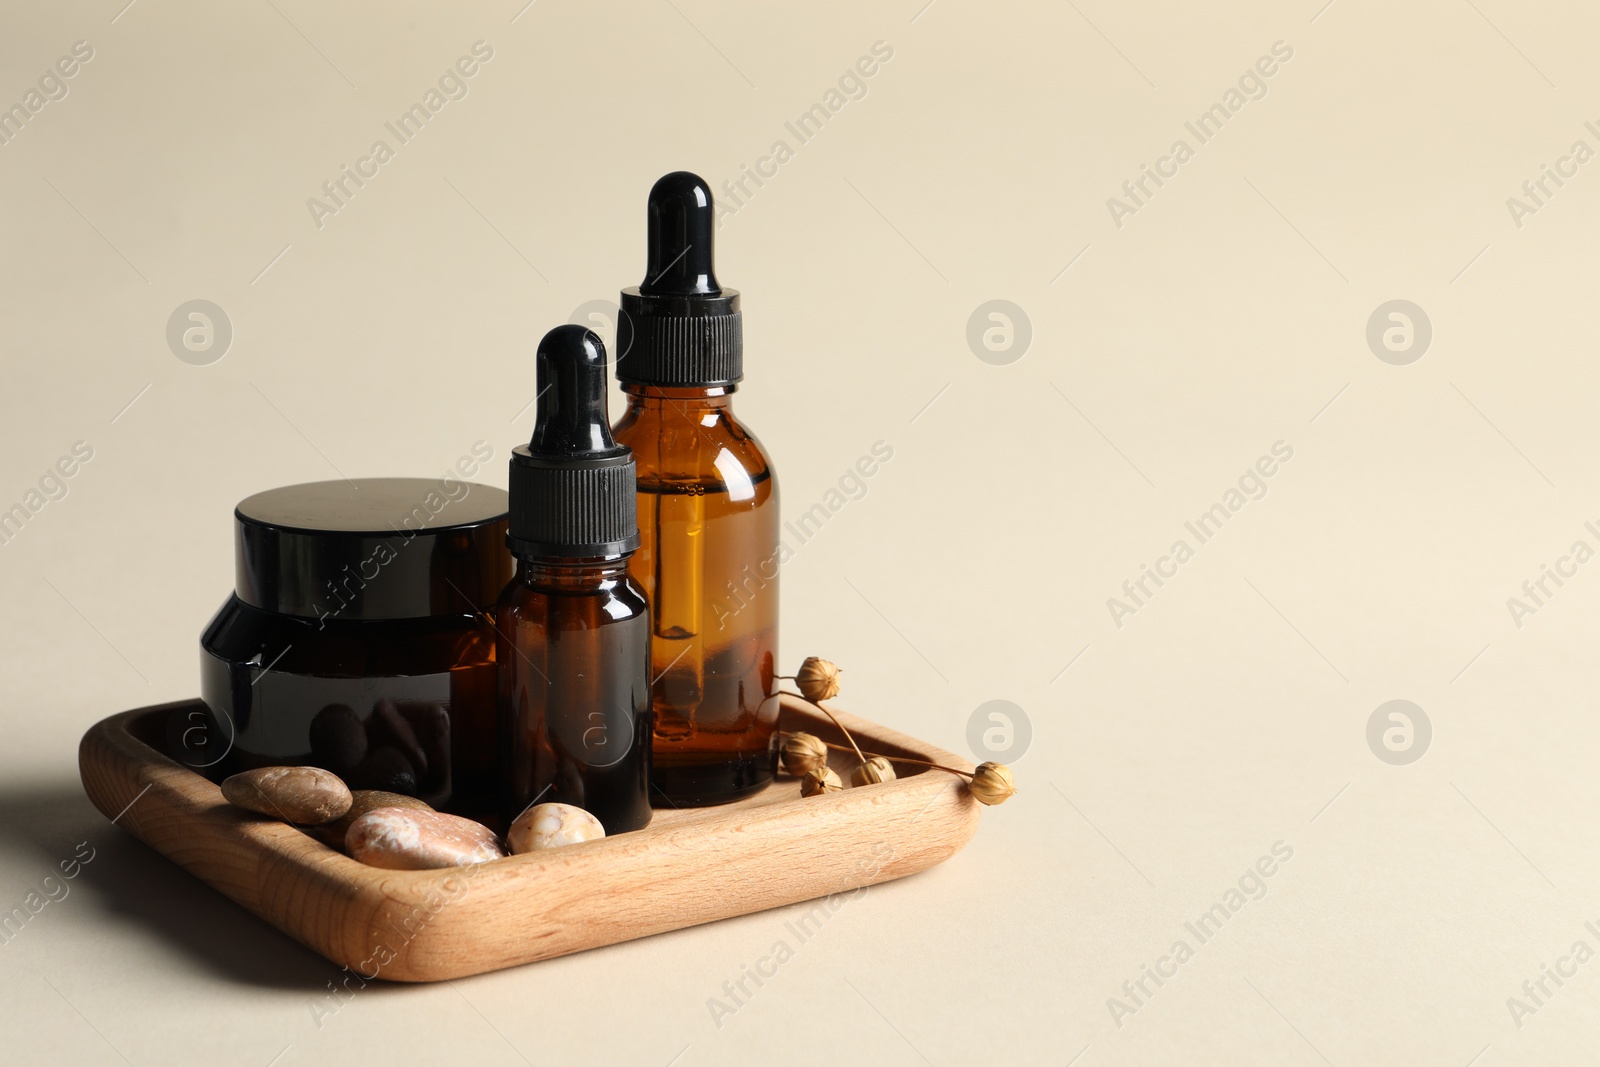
(338, 739)
(385, 768)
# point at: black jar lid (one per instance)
(394, 548)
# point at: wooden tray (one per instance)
(688, 867)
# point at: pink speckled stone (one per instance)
(411, 839)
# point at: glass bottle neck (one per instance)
(572, 573)
(656, 397)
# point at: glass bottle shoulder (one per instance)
(535, 597)
(705, 449)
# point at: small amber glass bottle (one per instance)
(573, 630)
(708, 513)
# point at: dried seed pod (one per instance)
(992, 783)
(802, 752)
(818, 679)
(820, 780)
(875, 770)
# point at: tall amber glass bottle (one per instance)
(708, 513)
(573, 630)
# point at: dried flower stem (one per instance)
(905, 759)
(859, 754)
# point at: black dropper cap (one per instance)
(680, 327)
(572, 486)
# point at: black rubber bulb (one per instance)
(571, 412)
(681, 221)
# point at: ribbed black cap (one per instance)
(680, 327)
(572, 486)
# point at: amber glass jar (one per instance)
(359, 639)
(708, 562)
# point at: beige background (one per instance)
(1227, 314)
